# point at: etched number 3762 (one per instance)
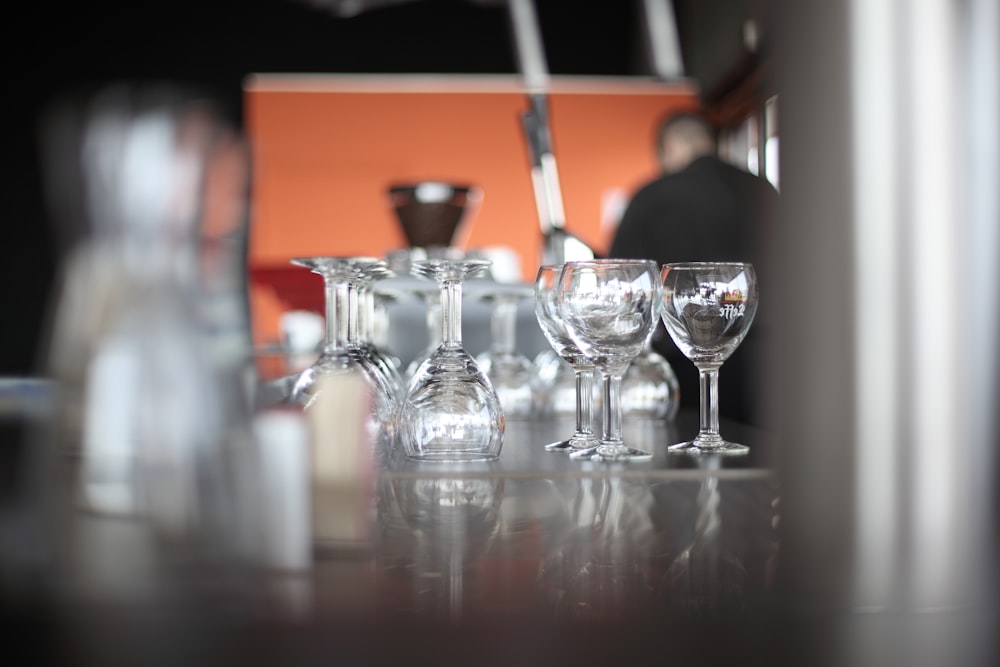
(731, 311)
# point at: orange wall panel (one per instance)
(326, 149)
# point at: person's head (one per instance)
(684, 136)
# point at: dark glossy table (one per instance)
(538, 533)
(532, 558)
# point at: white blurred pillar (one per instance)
(889, 257)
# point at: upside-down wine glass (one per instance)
(340, 278)
(650, 388)
(384, 298)
(557, 384)
(609, 307)
(547, 313)
(708, 308)
(430, 295)
(509, 370)
(364, 341)
(450, 410)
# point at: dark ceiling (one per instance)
(220, 41)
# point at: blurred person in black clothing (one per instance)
(702, 208)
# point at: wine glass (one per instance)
(363, 342)
(554, 329)
(450, 410)
(510, 371)
(384, 299)
(610, 306)
(708, 308)
(431, 297)
(556, 384)
(341, 276)
(650, 389)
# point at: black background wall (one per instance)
(57, 48)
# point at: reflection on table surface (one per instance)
(532, 540)
(523, 450)
(576, 541)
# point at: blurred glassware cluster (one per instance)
(164, 453)
(502, 332)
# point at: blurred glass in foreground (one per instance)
(149, 459)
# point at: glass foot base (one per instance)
(561, 446)
(570, 446)
(611, 453)
(452, 457)
(723, 448)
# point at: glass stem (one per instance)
(380, 323)
(451, 313)
(504, 326)
(353, 315)
(584, 400)
(611, 410)
(366, 310)
(337, 320)
(434, 324)
(708, 377)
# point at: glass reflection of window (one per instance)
(771, 142)
(742, 144)
(753, 145)
(456, 426)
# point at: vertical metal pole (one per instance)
(558, 245)
(664, 46)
